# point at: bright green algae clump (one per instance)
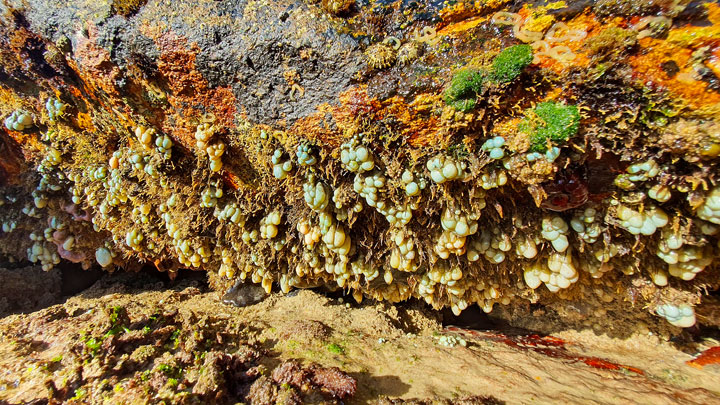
(467, 83)
(550, 120)
(463, 89)
(510, 63)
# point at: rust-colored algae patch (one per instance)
(709, 356)
(12, 163)
(95, 66)
(648, 68)
(84, 121)
(418, 128)
(190, 94)
(355, 106)
(415, 120)
(547, 345)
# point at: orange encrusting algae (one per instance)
(190, 94)
(709, 356)
(355, 105)
(547, 345)
(418, 132)
(678, 48)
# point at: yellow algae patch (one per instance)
(537, 12)
(693, 37)
(84, 121)
(463, 25)
(468, 9)
(539, 23)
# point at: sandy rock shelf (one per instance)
(394, 352)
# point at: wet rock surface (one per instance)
(28, 289)
(244, 294)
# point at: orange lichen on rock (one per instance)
(94, 64)
(678, 48)
(647, 66)
(709, 356)
(190, 94)
(417, 128)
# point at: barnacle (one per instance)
(408, 52)
(380, 55)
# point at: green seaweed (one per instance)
(550, 121)
(80, 393)
(510, 63)
(463, 89)
(464, 105)
(335, 348)
(467, 83)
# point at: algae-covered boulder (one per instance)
(490, 153)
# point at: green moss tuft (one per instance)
(467, 83)
(80, 394)
(335, 348)
(510, 63)
(463, 89)
(552, 121)
(464, 104)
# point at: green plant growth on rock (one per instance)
(93, 345)
(550, 121)
(510, 63)
(335, 348)
(463, 89)
(467, 83)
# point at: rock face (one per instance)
(490, 152)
